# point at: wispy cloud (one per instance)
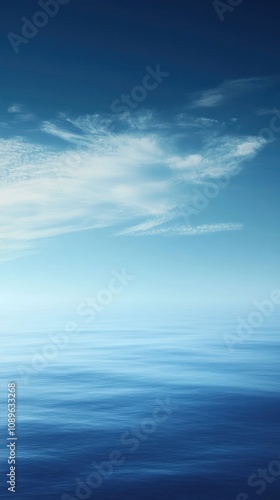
(20, 113)
(128, 173)
(185, 230)
(267, 111)
(219, 156)
(15, 108)
(227, 91)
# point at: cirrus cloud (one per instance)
(129, 174)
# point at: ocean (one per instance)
(152, 411)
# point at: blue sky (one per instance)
(86, 190)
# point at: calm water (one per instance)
(220, 425)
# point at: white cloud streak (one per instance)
(227, 91)
(20, 113)
(187, 230)
(124, 173)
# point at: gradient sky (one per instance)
(86, 190)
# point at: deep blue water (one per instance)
(221, 426)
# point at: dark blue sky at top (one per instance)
(93, 51)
